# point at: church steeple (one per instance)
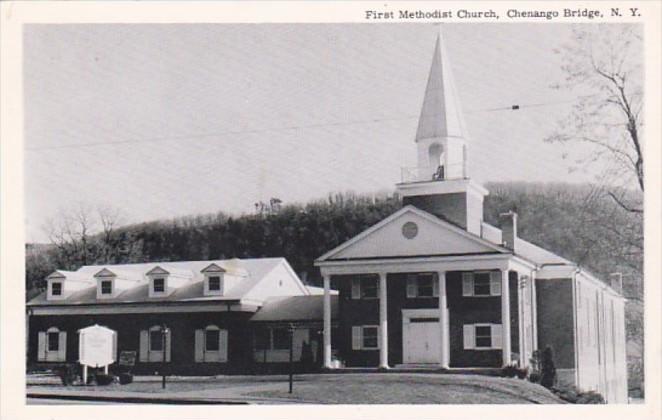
(441, 115)
(440, 135)
(440, 183)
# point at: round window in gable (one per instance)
(410, 230)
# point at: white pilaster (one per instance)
(383, 323)
(505, 317)
(534, 311)
(327, 321)
(443, 320)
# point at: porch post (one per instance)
(327, 321)
(383, 323)
(505, 317)
(443, 319)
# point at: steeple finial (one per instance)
(441, 114)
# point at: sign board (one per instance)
(127, 358)
(97, 346)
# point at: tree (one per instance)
(82, 235)
(603, 66)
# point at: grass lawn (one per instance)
(416, 389)
(354, 388)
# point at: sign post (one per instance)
(164, 332)
(97, 346)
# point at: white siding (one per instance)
(600, 342)
(280, 281)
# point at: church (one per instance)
(433, 284)
(430, 286)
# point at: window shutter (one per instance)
(144, 337)
(167, 343)
(41, 346)
(62, 346)
(496, 336)
(469, 337)
(223, 346)
(411, 286)
(467, 284)
(356, 288)
(199, 345)
(357, 338)
(435, 286)
(495, 283)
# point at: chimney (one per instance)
(616, 280)
(509, 229)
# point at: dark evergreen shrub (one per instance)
(103, 379)
(306, 357)
(590, 397)
(547, 368)
(575, 396)
(125, 378)
(534, 377)
(67, 373)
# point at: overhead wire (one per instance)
(267, 130)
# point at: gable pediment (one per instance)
(105, 273)
(410, 232)
(157, 270)
(213, 268)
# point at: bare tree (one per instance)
(83, 235)
(603, 65)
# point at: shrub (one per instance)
(512, 371)
(306, 356)
(590, 397)
(575, 396)
(67, 373)
(125, 378)
(547, 368)
(103, 379)
(509, 371)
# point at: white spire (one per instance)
(441, 115)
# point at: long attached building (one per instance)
(207, 308)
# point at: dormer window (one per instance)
(214, 280)
(158, 285)
(56, 288)
(160, 281)
(106, 287)
(214, 283)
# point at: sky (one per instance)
(167, 120)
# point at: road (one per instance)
(46, 401)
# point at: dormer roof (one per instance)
(68, 275)
(130, 275)
(213, 268)
(157, 270)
